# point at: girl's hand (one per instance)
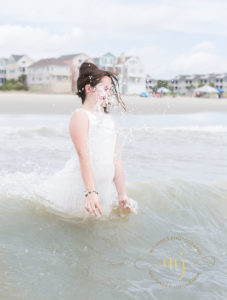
(124, 203)
(92, 203)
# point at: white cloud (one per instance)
(200, 59)
(206, 46)
(196, 16)
(37, 42)
(51, 28)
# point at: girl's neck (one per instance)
(91, 108)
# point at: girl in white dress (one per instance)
(92, 181)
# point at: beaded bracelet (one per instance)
(89, 192)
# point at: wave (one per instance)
(210, 129)
(45, 131)
(167, 197)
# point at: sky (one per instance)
(171, 37)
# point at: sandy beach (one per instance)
(31, 103)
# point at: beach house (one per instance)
(106, 62)
(17, 65)
(49, 75)
(150, 83)
(221, 81)
(208, 79)
(185, 84)
(131, 73)
(178, 83)
(74, 61)
(3, 63)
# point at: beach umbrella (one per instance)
(205, 89)
(163, 90)
(220, 90)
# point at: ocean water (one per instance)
(173, 248)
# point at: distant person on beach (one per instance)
(219, 95)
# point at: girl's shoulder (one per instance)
(78, 115)
(80, 111)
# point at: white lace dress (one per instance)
(64, 191)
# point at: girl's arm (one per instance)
(78, 128)
(119, 179)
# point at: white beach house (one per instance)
(3, 64)
(132, 76)
(186, 83)
(74, 61)
(49, 75)
(17, 65)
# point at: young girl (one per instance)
(92, 181)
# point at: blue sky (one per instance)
(170, 36)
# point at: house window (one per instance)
(133, 62)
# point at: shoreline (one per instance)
(36, 103)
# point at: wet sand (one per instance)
(31, 103)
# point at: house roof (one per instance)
(179, 77)
(119, 59)
(70, 56)
(4, 59)
(17, 57)
(221, 76)
(47, 62)
(108, 54)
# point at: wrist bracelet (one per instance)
(89, 192)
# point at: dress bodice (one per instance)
(101, 136)
(101, 143)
